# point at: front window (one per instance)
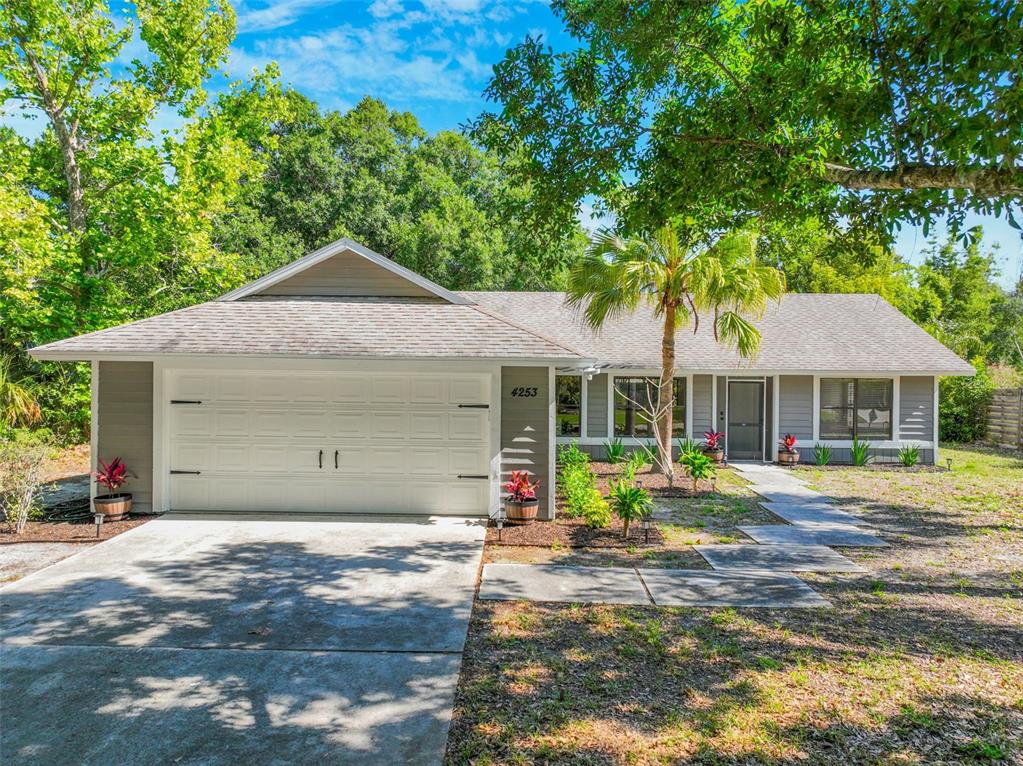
(570, 404)
(856, 408)
(636, 398)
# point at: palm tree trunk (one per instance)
(665, 393)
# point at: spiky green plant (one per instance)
(670, 272)
(630, 503)
(821, 454)
(909, 455)
(859, 452)
(699, 466)
(18, 405)
(615, 451)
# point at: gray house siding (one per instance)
(596, 407)
(795, 408)
(703, 405)
(525, 428)
(347, 274)
(843, 456)
(125, 425)
(916, 408)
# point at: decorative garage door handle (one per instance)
(194, 473)
(473, 476)
(185, 401)
(337, 452)
(474, 406)
(321, 458)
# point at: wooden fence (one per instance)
(1005, 418)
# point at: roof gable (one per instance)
(345, 268)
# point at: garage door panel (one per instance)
(401, 442)
(388, 389)
(388, 425)
(470, 425)
(428, 425)
(231, 424)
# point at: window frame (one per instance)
(581, 407)
(854, 408)
(680, 408)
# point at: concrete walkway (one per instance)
(743, 575)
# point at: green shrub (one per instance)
(578, 487)
(687, 446)
(597, 512)
(635, 463)
(821, 454)
(570, 454)
(630, 503)
(962, 415)
(909, 456)
(615, 451)
(699, 466)
(860, 452)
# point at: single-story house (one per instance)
(344, 382)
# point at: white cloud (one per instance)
(381, 9)
(279, 13)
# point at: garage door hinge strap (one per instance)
(473, 476)
(474, 406)
(185, 401)
(194, 473)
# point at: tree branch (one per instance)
(988, 182)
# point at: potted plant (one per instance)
(521, 505)
(787, 452)
(712, 445)
(114, 505)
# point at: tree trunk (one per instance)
(625, 528)
(665, 396)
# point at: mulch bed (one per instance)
(573, 533)
(68, 532)
(879, 467)
(650, 479)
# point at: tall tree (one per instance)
(127, 207)
(847, 109)
(437, 204)
(680, 281)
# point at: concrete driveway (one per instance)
(219, 640)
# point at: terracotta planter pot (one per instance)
(788, 458)
(521, 512)
(717, 455)
(113, 507)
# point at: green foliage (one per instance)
(18, 405)
(630, 503)
(909, 455)
(578, 486)
(679, 279)
(859, 452)
(571, 455)
(719, 111)
(699, 466)
(821, 454)
(963, 406)
(687, 446)
(639, 460)
(615, 451)
(436, 204)
(23, 458)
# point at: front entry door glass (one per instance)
(744, 437)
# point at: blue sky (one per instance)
(433, 58)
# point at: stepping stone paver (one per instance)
(550, 582)
(820, 513)
(779, 558)
(697, 587)
(790, 494)
(842, 535)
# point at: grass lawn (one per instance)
(919, 662)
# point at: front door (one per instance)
(745, 436)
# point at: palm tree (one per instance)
(17, 403)
(680, 282)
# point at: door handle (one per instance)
(321, 458)
(337, 452)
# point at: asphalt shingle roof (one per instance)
(804, 332)
(322, 327)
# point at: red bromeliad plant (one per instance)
(519, 488)
(788, 443)
(712, 439)
(112, 475)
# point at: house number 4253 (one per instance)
(523, 391)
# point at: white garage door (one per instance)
(387, 443)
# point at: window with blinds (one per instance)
(856, 408)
